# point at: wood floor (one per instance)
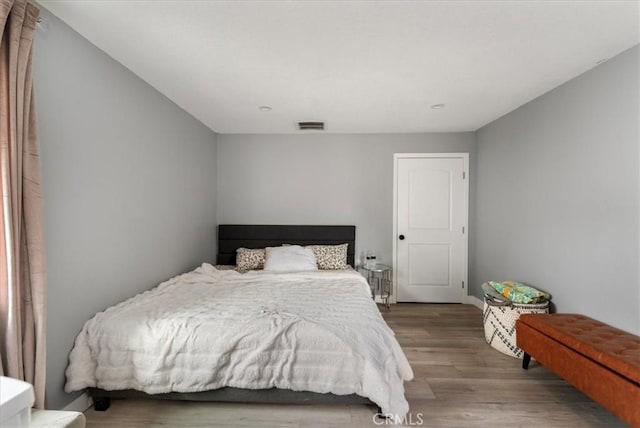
(460, 381)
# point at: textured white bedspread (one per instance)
(206, 329)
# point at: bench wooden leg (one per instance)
(526, 359)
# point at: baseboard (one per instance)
(468, 300)
(80, 404)
(381, 301)
(473, 300)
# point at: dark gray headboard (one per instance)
(233, 236)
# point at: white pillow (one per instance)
(292, 258)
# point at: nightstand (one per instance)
(380, 280)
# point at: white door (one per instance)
(430, 247)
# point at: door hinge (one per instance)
(464, 175)
(463, 230)
(462, 284)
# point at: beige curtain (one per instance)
(22, 266)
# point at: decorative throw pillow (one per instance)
(250, 259)
(331, 257)
(292, 258)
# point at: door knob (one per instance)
(401, 237)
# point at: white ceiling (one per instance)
(360, 66)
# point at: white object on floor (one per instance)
(16, 399)
(80, 404)
(56, 419)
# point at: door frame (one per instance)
(465, 158)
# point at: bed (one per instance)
(258, 336)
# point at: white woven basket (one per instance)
(500, 323)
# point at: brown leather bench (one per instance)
(601, 361)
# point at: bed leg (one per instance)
(526, 359)
(101, 404)
(381, 415)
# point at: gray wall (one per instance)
(557, 190)
(320, 179)
(129, 181)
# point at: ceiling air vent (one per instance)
(316, 126)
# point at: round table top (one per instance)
(378, 267)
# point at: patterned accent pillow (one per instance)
(250, 259)
(331, 257)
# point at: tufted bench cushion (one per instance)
(600, 360)
(609, 346)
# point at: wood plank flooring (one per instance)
(460, 381)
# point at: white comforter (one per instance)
(206, 329)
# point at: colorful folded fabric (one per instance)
(518, 292)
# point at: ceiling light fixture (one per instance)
(264, 108)
(437, 106)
